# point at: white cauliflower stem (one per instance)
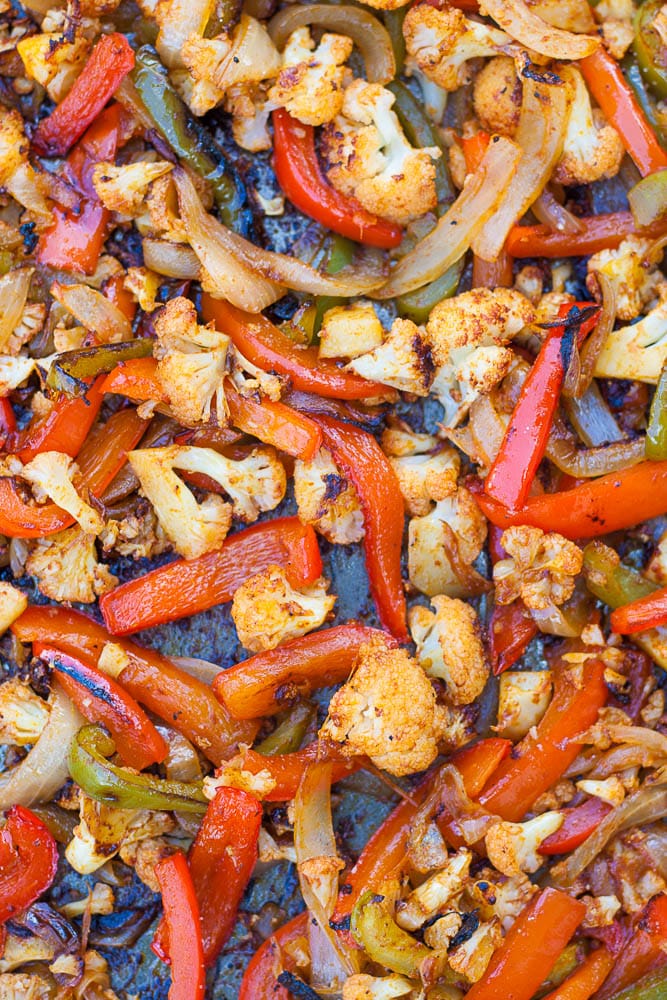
(513, 847)
(23, 714)
(433, 895)
(267, 610)
(350, 330)
(639, 351)
(523, 699)
(449, 647)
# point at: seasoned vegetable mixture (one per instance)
(344, 323)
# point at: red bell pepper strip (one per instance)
(364, 463)
(300, 177)
(185, 587)
(599, 232)
(28, 861)
(7, 418)
(100, 698)
(288, 769)
(612, 92)
(513, 470)
(265, 683)
(64, 428)
(542, 757)
(153, 680)
(587, 979)
(645, 612)
(274, 423)
(474, 147)
(137, 379)
(183, 928)
(115, 290)
(578, 824)
(108, 64)
(641, 948)
(270, 349)
(530, 948)
(221, 861)
(511, 628)
(260, 978)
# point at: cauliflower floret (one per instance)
(639, 351)
(633, 269)
(98, 900)
(600, 910)
(268, 611)
(497, 96)
(50, 474)
(66, 568)
(54, 59)
(14, 371)
(442, 41)
(514, 847)
(193, 528)
(250, 110)
(22, 986)
(523, 699)
(364, 987)
(191, 361)
(610, 789)
(469, 336)
(449, 647)
(123, 189)
(592, 148)
(143, 284)
(440, 934)
(137, 536)
(143, 855)
(16, 173)
(502, 898)
(350, 330)
(326, 499)
(103, 830)
(400, 441)
(370, 159)
(540, 568)
(310, 83)
(472, 957)
(23, 714)
(425, 478)
(13, 603)
(403, 361)
(616, 18)
(456, 520)
(387, 711)
(433, 895)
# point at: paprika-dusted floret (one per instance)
(455, 521)
(327, 500)
(523, 698)
(637, 351)
(350, 330)
(449, 647)
(540, 568)
(633, 269)
(123, 189)
(514, 847)
(592, 148)
(403, 361)
(66, 567)
(497, 95)
(310, 82)
(268, 611)
(50, 474)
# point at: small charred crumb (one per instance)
(468, 928)
(618, 685)
(335, 485)
(297, 987)
(38, 674)
(530, 72)
(341, 925)
(30, 237)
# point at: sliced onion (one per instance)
(14, 288)
(639, 736)
(39, 775)
(274, 269)
(368, 34)
(487, 427)
(540, 134)
(178, 20)
(204, 670)
(586, 463)
(549, 211)
(604, 326)
(575, 15)
(94, 311)
(182, 762)
(552, 621)
(648, 198)
(175, 260)
(592, 419)
(467, 818)
(482, 192)
(519, 21)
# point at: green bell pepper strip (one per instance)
(393, 22)
(656, 432)
(417, 305)
(651, 987)
(71, 372)
(189, 140)
(649, 48)
(119, 787)
(341, 254)
(635, 78)
(288, 735)
(615, 584)
(383, 940)
(420, 132)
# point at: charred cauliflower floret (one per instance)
(16, 173)
(523, 698)
(501, 897)
(449, 647)
(455, 521)
(403, 361)
(370, 159)
(433, 895)
(514, 847)
(387, 711)
(540, 568)
(191, 361)
(250, 110)
(103, 830)
(497, 96)
(637, 351)
(592, 148)
(66, 567)
(426, 478)
(23, 714)
(54, 59)
(633, 269)
(350, 330)
(267, 610)
(13, 603)
(471, 958)
(443, 41)
(137, 536)
(123, 189)
(469, 337)
(50, 474)
(327, 500)
(310, 83)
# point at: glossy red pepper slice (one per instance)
(183, 928)
(578, 824)
(274, 423)
(511, 629)
(599, 232)
(28, 861)
(640, 948)
(587, 979)
(64, 428)
(288, 769)
(259, 981)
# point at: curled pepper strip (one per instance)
(579, 823)
(28, 861)
(260, 978)
(181, 917)
(117, 786)
(644, 613)
(598, 232)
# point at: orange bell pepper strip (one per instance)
(523, 446)
(543, 756)
(185, 587)
(270, 349)
(511, 628)
(645, 612)
(474, 147)
(611, 503)
(115, 290)
(288, 769)
(587, 979)
(182, 928)
(108, 64)
(100, 698)
(64, 428)
(613, 94)
(181, 700)
(530, 948)
(299, 175)
(28, 861)
(137, 379)
(260, 978)
(578, 824)
(274, 423)
(599, 232)
(641, 948)
(267, 682)
(364, 463)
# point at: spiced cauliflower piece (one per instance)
(103, 830)
(540, 568)
(54, 59)
(350, 330)
(310, 82)
(470, 336)
(633, 269)
(66, 567)
(143, 285)
(449, 647)
(500, 896)
(369, 158)
(426, 478)
(327, 500)
(513, 848)
(523, 698)
(50, 474)
(471, 958)
(17, 175)
(435, 893)
(403, 361)
(454, 521)
(23, 714)
(191, 361)
(387, 711)
(442, 42)
(14, 371)
(592, 149)
(123, 189)
(361, 986)
(13, 603)
(137, 536)
(616, 19)
(497, 96)
(268, 611)
(637, 351)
